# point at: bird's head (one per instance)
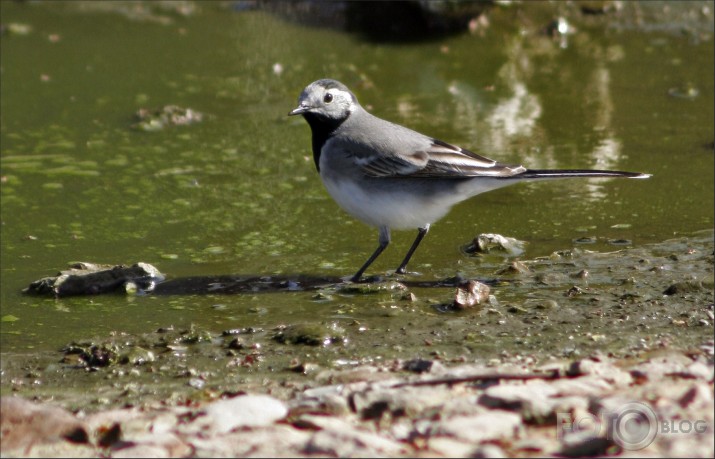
(329, 100)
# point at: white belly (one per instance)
(396, 209)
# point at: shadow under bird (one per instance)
(391, 177)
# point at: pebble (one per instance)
(471, 294)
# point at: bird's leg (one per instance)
(384, 240)
(421, 233)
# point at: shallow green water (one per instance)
(238, 192)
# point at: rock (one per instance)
(361, 374)
(531, 400)
(528, 446)
(632, 425)
(341, 439)
(589, 447)
(487, 243)
(306, 405)
(449, 447)
(422, 366)
(698, 395)
(699, 370)
(471, 294)
(311, 334)
(488, 450)
(152, 444)
(403, 401)
(169, 115)
(56, 449)
(659, 366)
(487, 426)
(583, 386)
(680, 288)
(25, 424)
(105, 420)
(552, 278)
(141, 450)
(91, 279)
(603, 369)
(462, 405)
(515, 267)
(243, 411)
(330, 403)
(367, 288)
(107, 437)
(277, 440)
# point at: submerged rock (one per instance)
(92, 278)
(470, 295)
(489, 243)
(310, 334)
(684, 287)
(161, 118)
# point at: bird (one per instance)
(394, 178)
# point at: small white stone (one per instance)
(244, 411)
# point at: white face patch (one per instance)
(342, 98)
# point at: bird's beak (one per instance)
(302, 108)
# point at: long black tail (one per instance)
(566, 173)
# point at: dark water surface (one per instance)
(238, 192)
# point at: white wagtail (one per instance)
(392, 177)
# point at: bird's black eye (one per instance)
(328, 98)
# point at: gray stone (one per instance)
(403, 401)
(243, 411)
(25, 424)
(278, 440)
(482, 427)
(450, 447)
(585, 385)
(141, 450)
(489, 450)
(342, 439)
(602, 368)
(532, 400)
(471, 294)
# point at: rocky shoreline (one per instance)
(658, 406)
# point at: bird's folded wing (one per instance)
(439, 160)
